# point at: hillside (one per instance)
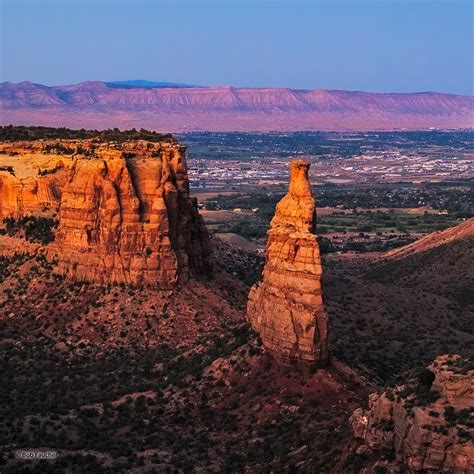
(389, 316)
(126, 378)
(424, 425)
(102, 105)
(459, 232)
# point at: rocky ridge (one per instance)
(426, 423)
(124, 210)
(461, 231)
(286, 307)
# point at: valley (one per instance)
(364, 203)
(125, 335)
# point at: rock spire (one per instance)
(286, 306)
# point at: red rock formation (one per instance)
(32, 176)
(125, 214)
(131, 219)
(286, 307)
(424, 436)
(32, 195)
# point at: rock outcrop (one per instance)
(286, 307)
(124, 210)
(426, 424)
(39, 195)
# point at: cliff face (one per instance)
(125, 214)
(32, 195)
(427, 427)
(230, 99)
(286, 307)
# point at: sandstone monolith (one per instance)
(286, 306)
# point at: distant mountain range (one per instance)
(183, 107)
(144, 83)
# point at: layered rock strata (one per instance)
(29, 196)
(124, 211)
(31, 180)
(286, 306)
(424, 435)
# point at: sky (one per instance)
(370, 45)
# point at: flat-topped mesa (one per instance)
(124, 210)
(286, 306)
(129, 218)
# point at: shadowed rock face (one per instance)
(286, 307)
(124, 211)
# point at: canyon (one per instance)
(101, 105)
(126, 339)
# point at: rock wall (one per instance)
(286, 306)
(33, 175)
(125, 214)
(33, 195)
(424, 437)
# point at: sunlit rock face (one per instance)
(124, 210)
(129, 218)
(286, 306)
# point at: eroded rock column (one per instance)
(286, 306)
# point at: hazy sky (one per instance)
(377, 45)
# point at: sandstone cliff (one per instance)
(30, 179)
(426, 424)
(124, 210)
(286, 307)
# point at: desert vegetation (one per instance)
(17, 133)
(212, 401)
(392, 316)
(32, 228)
